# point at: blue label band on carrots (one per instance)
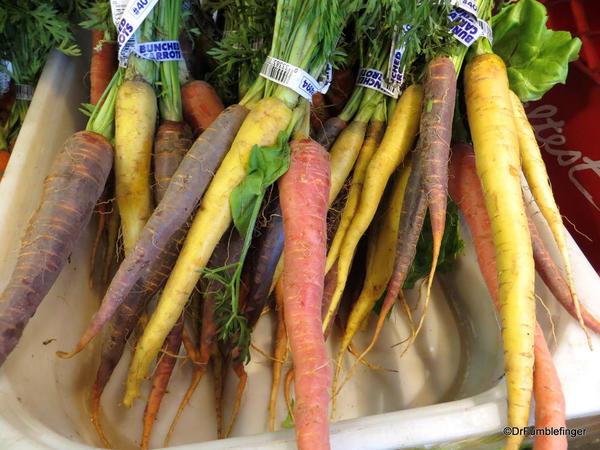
(159, 50)
(133, 16)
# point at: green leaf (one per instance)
(265, 166)
(536, 57)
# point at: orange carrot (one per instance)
(71, 189)
(304, 193)
(160, 381)
(4, 156)
(103, 65)
(465, 189)
(201, 105)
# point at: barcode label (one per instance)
(374, 79)
(116, 8)
(24, 92)
(278, 71)
(291, 77)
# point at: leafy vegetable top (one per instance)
(536, 57)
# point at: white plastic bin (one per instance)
(448, 386)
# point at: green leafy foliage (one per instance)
(98, 16)
(536, 57)
(29, 31)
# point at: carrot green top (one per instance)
(168, 28)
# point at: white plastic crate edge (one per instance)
(478, 415)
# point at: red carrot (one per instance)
(103, 65)
(201, 105)
(465, 189)
(552, 277)
(71, 189)
(304, 193)
(160, 381)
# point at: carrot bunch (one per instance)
(215, 209)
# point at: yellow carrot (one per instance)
(496, 145)
(370, 144)
(135, 121)
(343, 155)
(537, 177)
(397, 141)
(262, 126)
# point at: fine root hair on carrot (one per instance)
(354, 352)
(553, 279)
(380, 263)
(412, 216)
(226, 252)
(549, 315)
